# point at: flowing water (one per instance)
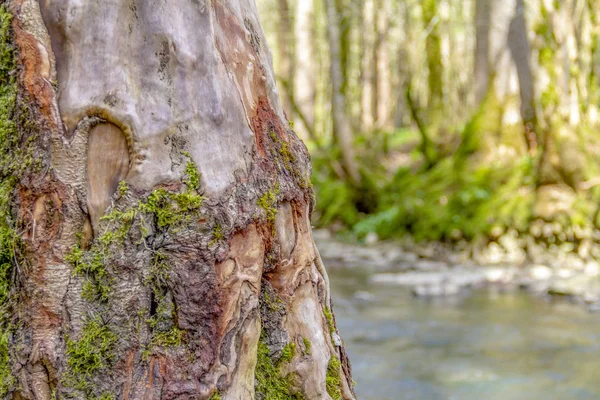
(485, 346)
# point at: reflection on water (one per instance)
(486, 346)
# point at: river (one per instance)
(488, 345)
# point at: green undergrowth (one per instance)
(446, 203)
(91, 354)
(483, 182)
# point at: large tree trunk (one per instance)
(159, 211)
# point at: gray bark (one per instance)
(166, 228)
(341, 122)
(482, 48)
(521, 53)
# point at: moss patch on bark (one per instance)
(89, 355)
(12, 166)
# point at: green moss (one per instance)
(333, 380)
(192, 179)
(105, 396)
(268, 202)
(272, 301)
(215, 396)
(89, 355)
(329, 317)
(91, 266)
(269, 381)
(307, 346)
(171, 338)
(217, 234)
(123, 188)
(171, 209)
(288, 352)
(7, 381)
(158, 280)
(15, 158)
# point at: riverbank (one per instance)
(436, 270)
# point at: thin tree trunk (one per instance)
(285, 43)
(521, 53)
(367, 65)
(375, 67)
(341, 122)
(304, 74)
(158, 207)
(482, 49)
(433, 48)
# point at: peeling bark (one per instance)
(166, 225)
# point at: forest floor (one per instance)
(435, 270)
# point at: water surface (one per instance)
(488, 345)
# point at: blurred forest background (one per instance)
(460, 121)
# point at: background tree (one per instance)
(155, 232)
(498, 133)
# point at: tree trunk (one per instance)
(156, 234)
(521, 53)
(285, 39)
(304, 79)
(433, 48)
(341, 122)
(482, 49)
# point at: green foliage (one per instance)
(215, 396)
(89, 355)
(333, 379)
(447, 203)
